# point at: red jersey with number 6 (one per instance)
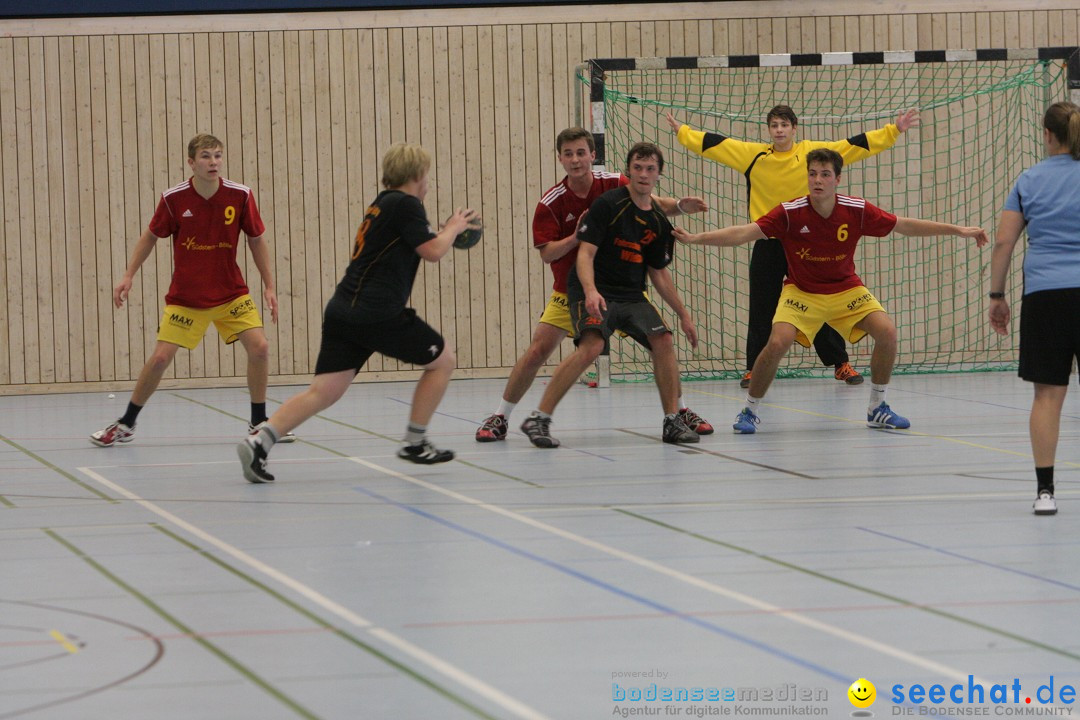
(205, 235)
(820, 251)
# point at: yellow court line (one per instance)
(64, 642)
(915, 433)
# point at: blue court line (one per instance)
(596, 582)
(976, 561)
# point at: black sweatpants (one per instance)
(767, 270)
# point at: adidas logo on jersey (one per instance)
(569, 217)
(187, 213)
(805, 229)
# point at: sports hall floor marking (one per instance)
(855, 586)
(60, 471)
(680, 576)
(182, 627)
(437, 664)
(974, 561)
(705, 451)
(64, 642)
(913, 433)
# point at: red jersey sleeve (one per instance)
(164, 223)
(251, 222)
(546, 227)
(877, 222)
(774, 223)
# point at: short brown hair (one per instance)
(571, 134)
(202, 141)
(645, 150)
(404, 162)
(825, 156)
(782, 112)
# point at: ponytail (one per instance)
(1062, 119)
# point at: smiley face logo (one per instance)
(862, 693)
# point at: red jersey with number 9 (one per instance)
(205, 235)
(820, 251)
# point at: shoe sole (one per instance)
(494, 438)
(744, 384)
(681, 441)
(289, 438)
(95, 441)
(1046, 512)
(854, 380)
(743, 432)
(883, 426)
(247, 457)
(551, 445)
(425, 461)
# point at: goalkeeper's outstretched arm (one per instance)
(724, 237)
(914, 227)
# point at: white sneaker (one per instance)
(1045, 504)
(286, 438)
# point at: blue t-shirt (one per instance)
(1048, 196)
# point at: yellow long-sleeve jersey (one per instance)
(775, 177)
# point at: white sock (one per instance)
(414, 434)
(752, 403)
(680, 405)
(877, 395)
(505, 408)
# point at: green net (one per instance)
(980, 127)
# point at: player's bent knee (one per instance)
(447, 360)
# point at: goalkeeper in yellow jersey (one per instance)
(776, 172)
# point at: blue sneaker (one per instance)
(883, 417)
(746, 422)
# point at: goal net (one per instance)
(981, 114)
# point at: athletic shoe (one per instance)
(286, 438)
(883, 417)
(253, 461)
(539, 431)
(745, 382)
(1045, 504)
(676, 431)
(494, 428)
(425, 453)
(118, 432)
(848, 374)
(695, 422)
(746, 422)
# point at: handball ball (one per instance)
(468, 238)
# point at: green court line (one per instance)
(358, 429)
(852, 586)
(5, 502)
(88, 488)
(325, 624)
(178, 624)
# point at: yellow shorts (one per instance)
(557, 312)
(185, 326)
(809, 311)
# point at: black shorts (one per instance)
(348, 342)
(1049, 335)
(638, 318)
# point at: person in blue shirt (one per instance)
(1045, 200)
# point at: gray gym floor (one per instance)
(151, 581)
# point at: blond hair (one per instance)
(202, 141)
(1062, 119)
(404, 162)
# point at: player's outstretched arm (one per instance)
(673, 123)
(463, 219)
(914, 227)
(673, 207)
(724, 237)
(907, 119)
(143, 248)
(1008, 233)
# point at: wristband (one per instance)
(678, 206)
(997, 296)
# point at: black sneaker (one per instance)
(253, 461)
(425, 453)
(676, 431)
(539, 431)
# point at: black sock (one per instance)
(258, 413)
(131, 414)
(1045, 478)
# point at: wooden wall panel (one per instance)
(94, 126)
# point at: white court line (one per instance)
(699, 583)
(437, 664)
